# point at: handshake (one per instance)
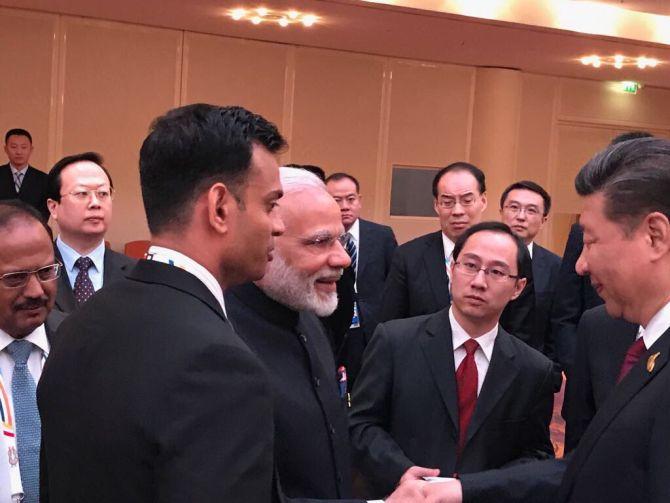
(420, 484)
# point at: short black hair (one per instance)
(634, 178)
(630, 135)
(18, 132)
(461, 166)
(15, 209)
(318, 171)
(191, 147)
(54, 176)
(335, 177)
(533, 187)
(499, 227)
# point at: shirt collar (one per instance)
(355, 231)
(530, 249)
(177, 259)
(16, 170)
(70, 255)
(448, 245)
(657, 326)
(459, 336)
(38, 337)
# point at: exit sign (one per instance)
(630, 87)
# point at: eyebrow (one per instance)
(457, 195)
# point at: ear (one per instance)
(220, 205)
(484, 202)
(657, 229)
(518, 287)
(436, 207)
(51, 206)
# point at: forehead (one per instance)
(525, 196)
(18, 139)
(26, 245)
(592, 218)
(308, 211)
(344, 185)
(491, 247)
(83, 173)
(457, 182)
(264, 168)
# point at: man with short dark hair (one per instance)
(28, 274)
(151, 396)
(622, 455)
(370, 246)
(18, 179)
(80, 192)
(453, 391)
(524, 206)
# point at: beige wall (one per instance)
(80, 84)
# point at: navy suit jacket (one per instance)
(33, 188)
(545, 273)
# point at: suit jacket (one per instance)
(33, 188)
(602, 343)
(311, 438)
(621, 457)
(574, 295)
(545, 273)
(418, 284)
(405, 406)
(115, 267)
(149, 395)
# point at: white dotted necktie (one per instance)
(27, 420)
(83, 286)
(18, 180)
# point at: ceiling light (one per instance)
(256, 20)
(595, 61)
(586, 60)
(293, 14)
(308, 19)
(641, 62)
(652, 62)
(283, 22)
(618, 61)
(237, 14)
(262, 11)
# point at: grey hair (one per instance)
(297, 179)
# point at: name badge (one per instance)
(355, 321)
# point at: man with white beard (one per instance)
(277, 317)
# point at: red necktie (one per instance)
(635, 351)
(466, 380)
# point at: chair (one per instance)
(136, 249)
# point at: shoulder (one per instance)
(526, 356)
(547, 255)
(420, 243)
(404, 331)
(37, 172)
(119, 259)
(368, 226)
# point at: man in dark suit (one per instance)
(150, 395)
(524, 206)
(19, 180)
(418, 281)
(416, 407)
(371, 248)
(80, 193)
(622, 455)
(28, 273)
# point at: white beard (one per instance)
(295, 290)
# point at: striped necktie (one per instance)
(18, 180)
(350, 248)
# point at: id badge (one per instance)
(355, 321)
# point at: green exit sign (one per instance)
(630, 87)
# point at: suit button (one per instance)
(317, 382)
(303, 338)
(332, 429)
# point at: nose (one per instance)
(521, 215)
(94, 201)
(278, 226)
(457, 209)
(479, 280)
(339, 257)
(581, 266)
(33, 288)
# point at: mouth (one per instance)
(328, 283)
(519, 228)
(475, 299)
(459, 225)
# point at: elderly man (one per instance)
(622, 455)
(28, 274)
(151, 396)
(277, 317)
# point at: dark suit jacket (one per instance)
(418, 284)
(574, 295)
(545, 273)
(116, 266)
(622, 456)
(149, 395)
(33, 188)
(312, 456)
(405, 407)
(602, 342)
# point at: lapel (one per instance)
(439, 352)
(539, 265)
(7, 179)
(500, 375)
(147, 271)
(433, 259)
(622, 394)
(27, 180)
(367, 243)
(113, 269)
(64, 295)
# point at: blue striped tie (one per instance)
(350, 247)
(27, 420)
(18, 180)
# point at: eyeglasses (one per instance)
(515, 209)
(322, 242)
(102, 195)
(496, 273)
(20, 278)
(448, 202)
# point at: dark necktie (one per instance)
(27, 420)
(18, 180)
(466, 379)
(633, 355)
(83, 286)
(350, 247)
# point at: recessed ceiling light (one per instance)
(618, 61)
(308, 19)
(260, 15)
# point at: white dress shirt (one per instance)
(70, 256)
(657, 326)
(177, 259)
(35, 361)
(530, 249)
(483, 352)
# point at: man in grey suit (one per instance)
(80, 192)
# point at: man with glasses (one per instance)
(524, 207)
(80, 193)
(28, 274)
(453, 392)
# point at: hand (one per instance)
(417, 473)
(408, 492)
(444, 492)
